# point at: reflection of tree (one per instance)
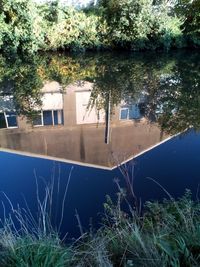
(115, 78)
(63, 69)
(178, 96)
(129, 78)
(22, 81)
(169, 83)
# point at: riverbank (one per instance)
(166, 235)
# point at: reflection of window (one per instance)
(58, 117)
(124, 113)
(2, 121)
(131, 112)
(49, 117)
(134, 112)
(8, 120)
(38, 120)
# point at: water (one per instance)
(96, 112)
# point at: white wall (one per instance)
(84, 114)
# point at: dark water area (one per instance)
(174, 165)
(94, 116)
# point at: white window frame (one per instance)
(53, 119)
(6, 120)
(127, 114)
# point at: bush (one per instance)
(74, 31)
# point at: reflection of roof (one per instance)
(51, 87)
(51, 97)
(6, 103)
(79, 86)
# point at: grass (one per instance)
(167, 234)
(41, 253)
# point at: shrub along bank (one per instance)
(167, 234)
(28, 27)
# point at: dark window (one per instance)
(58, 117)
(134, 112)
(47, 117)
(11, 119)
(37, 120)
(2, 121)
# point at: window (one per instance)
(134, 112)
(11, 119)
(131, 112)
(49, 117)
(58, 117)
(124, 114)
(2, 121)
(8, 120)
(38, 120)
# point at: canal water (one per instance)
(84, 122)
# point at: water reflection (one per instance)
(68, 127)
(100, 109)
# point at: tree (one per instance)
(141, 24)
(22, 81)
(21, 32)
(190, 11)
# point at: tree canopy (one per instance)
(27, 27)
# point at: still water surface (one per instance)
(95, 113)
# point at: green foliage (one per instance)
(141, 24)
(21, 80)
(19, 20)
(27, 27)
(167, 234)
(190, 12)
(28, 238)
(73, 30)
(41, 253)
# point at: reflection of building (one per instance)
(74, 130)
(54, 104)
(51, 112)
